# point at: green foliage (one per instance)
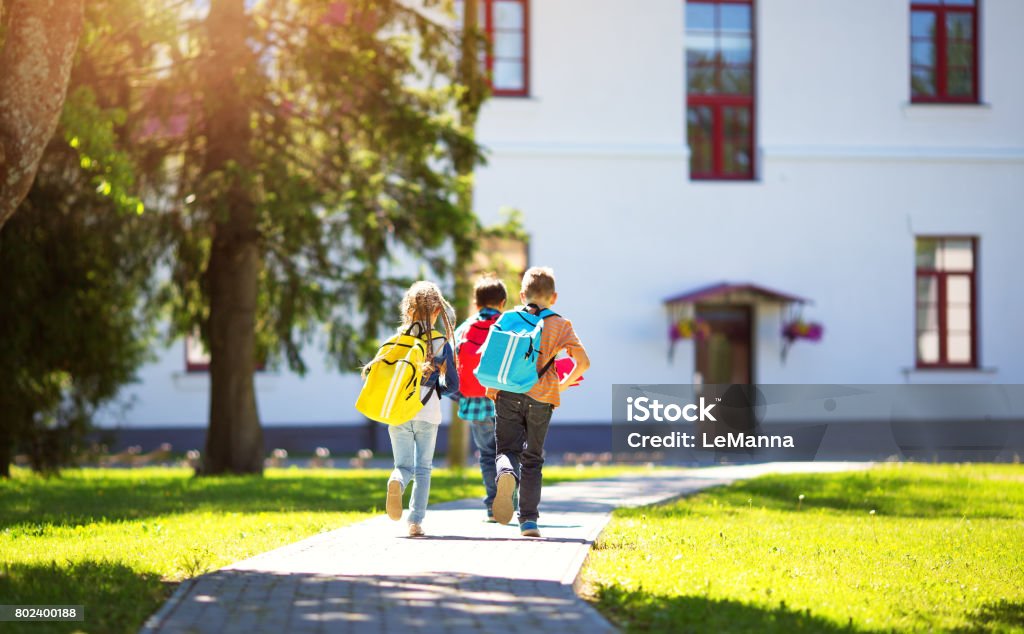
(897, 548)
(96, 140)
(76, 318)
(353, 137)
(510, 227)
(509, 234)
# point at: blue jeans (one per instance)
(483, 438)
(412, 444)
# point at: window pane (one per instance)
(958, 347)
(927, 317)
(696, 57)
(736, 157)
(508, 45)
(958, 290)
(928, 347)
(922, 24)
(922, 54)
(699, 124)
(701, 160)
(960, 54)
(736, 122)
(959, 82)
(508, 75)
(922, 82)
(958, 318)
(700, 47)
(700, 15)
(700, 79)
(736, 154)
(957, 255)
(736, 81)
(734, 17)
(736, 49)
(927, 290)
(959, 26)
(927, 253)
(508, 15)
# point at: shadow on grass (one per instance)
(997, 616)
(74, 501)
(115, 597)
(913, 494)
(641, 611)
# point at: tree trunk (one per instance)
(234, 441)
(468, 107)
(6, 451)
(35, 64)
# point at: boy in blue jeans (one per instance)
(490, 295)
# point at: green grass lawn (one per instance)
(901, 547)
(116, 541)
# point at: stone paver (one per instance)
(465, 576)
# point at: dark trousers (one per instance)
(521, 427)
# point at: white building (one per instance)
(810, 165)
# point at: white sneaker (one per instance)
(503, 506)
(415, 530)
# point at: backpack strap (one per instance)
(420, 330)
(547, 366)
(537, 311)
(434, 390)
(543, 313)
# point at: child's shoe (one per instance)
(394, 501)
(415, 530)
(529, 529)
(490, 516)
(503, 500)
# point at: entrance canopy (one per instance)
(730, 293)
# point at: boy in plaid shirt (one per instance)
(490, 295)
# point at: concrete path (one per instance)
(465, 576)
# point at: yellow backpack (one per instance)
(390, 393)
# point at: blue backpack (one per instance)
(508, 358)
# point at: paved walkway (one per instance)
(465, 576)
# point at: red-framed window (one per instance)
(197, 357)
(507, 60)
(720, 88)
(944, 51)
(946, 294)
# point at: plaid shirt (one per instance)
(474, 408)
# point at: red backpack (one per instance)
(469, 356)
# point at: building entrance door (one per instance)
(726, 355)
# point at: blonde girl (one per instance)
(412, 443)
